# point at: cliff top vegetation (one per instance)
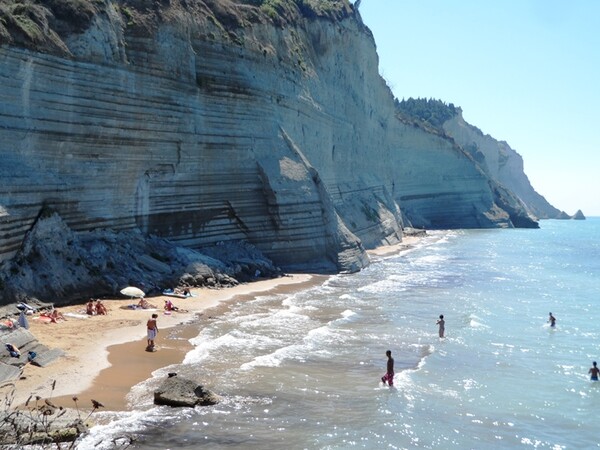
(42, 25)
(430, 112)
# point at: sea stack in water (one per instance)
(178, 391)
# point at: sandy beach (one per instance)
(105, 355)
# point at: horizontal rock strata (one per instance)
(200, 132)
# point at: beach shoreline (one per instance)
(88, 342)
(104, 355)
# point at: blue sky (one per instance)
(524, 71)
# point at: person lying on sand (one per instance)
(143, 303)
(54, 316)
(180, 291)
(13, 350)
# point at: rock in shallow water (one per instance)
(177, 391)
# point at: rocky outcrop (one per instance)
(177, 391)
(56, 265)
(41, 426)
(219, 122)
(577, 216)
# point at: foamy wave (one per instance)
(234, 340)
(316, 342)
(276, 358)
(475, 324)
(502, 345)
(469, 384)
(431, 260)
(116, 428)
(348, 313)
(290, 300)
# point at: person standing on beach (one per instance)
(442, 324)
(389, 375)
(594, 372)
(152, 330)
(552, 320)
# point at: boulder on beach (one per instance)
(178, 391)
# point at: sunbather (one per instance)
(13, 350)
(100, 308)
(169, 306)
(143, 303)
(89, 308)
(54, 316)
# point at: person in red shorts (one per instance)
(389, 376)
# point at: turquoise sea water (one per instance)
(302, 371)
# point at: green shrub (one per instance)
(26, 17)
(431, 111)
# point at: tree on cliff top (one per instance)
(38, 24)
(27, 23)
(288, 9)
(432, 112)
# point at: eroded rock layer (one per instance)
(200, 130)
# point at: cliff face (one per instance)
(501, 163)
(214, 123)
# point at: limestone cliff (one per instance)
(501, 163)
(209, 121)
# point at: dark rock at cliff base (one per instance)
(58, 265)
(578, 215)
(178, 391)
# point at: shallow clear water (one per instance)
(303, 370)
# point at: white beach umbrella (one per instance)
(132, 291)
